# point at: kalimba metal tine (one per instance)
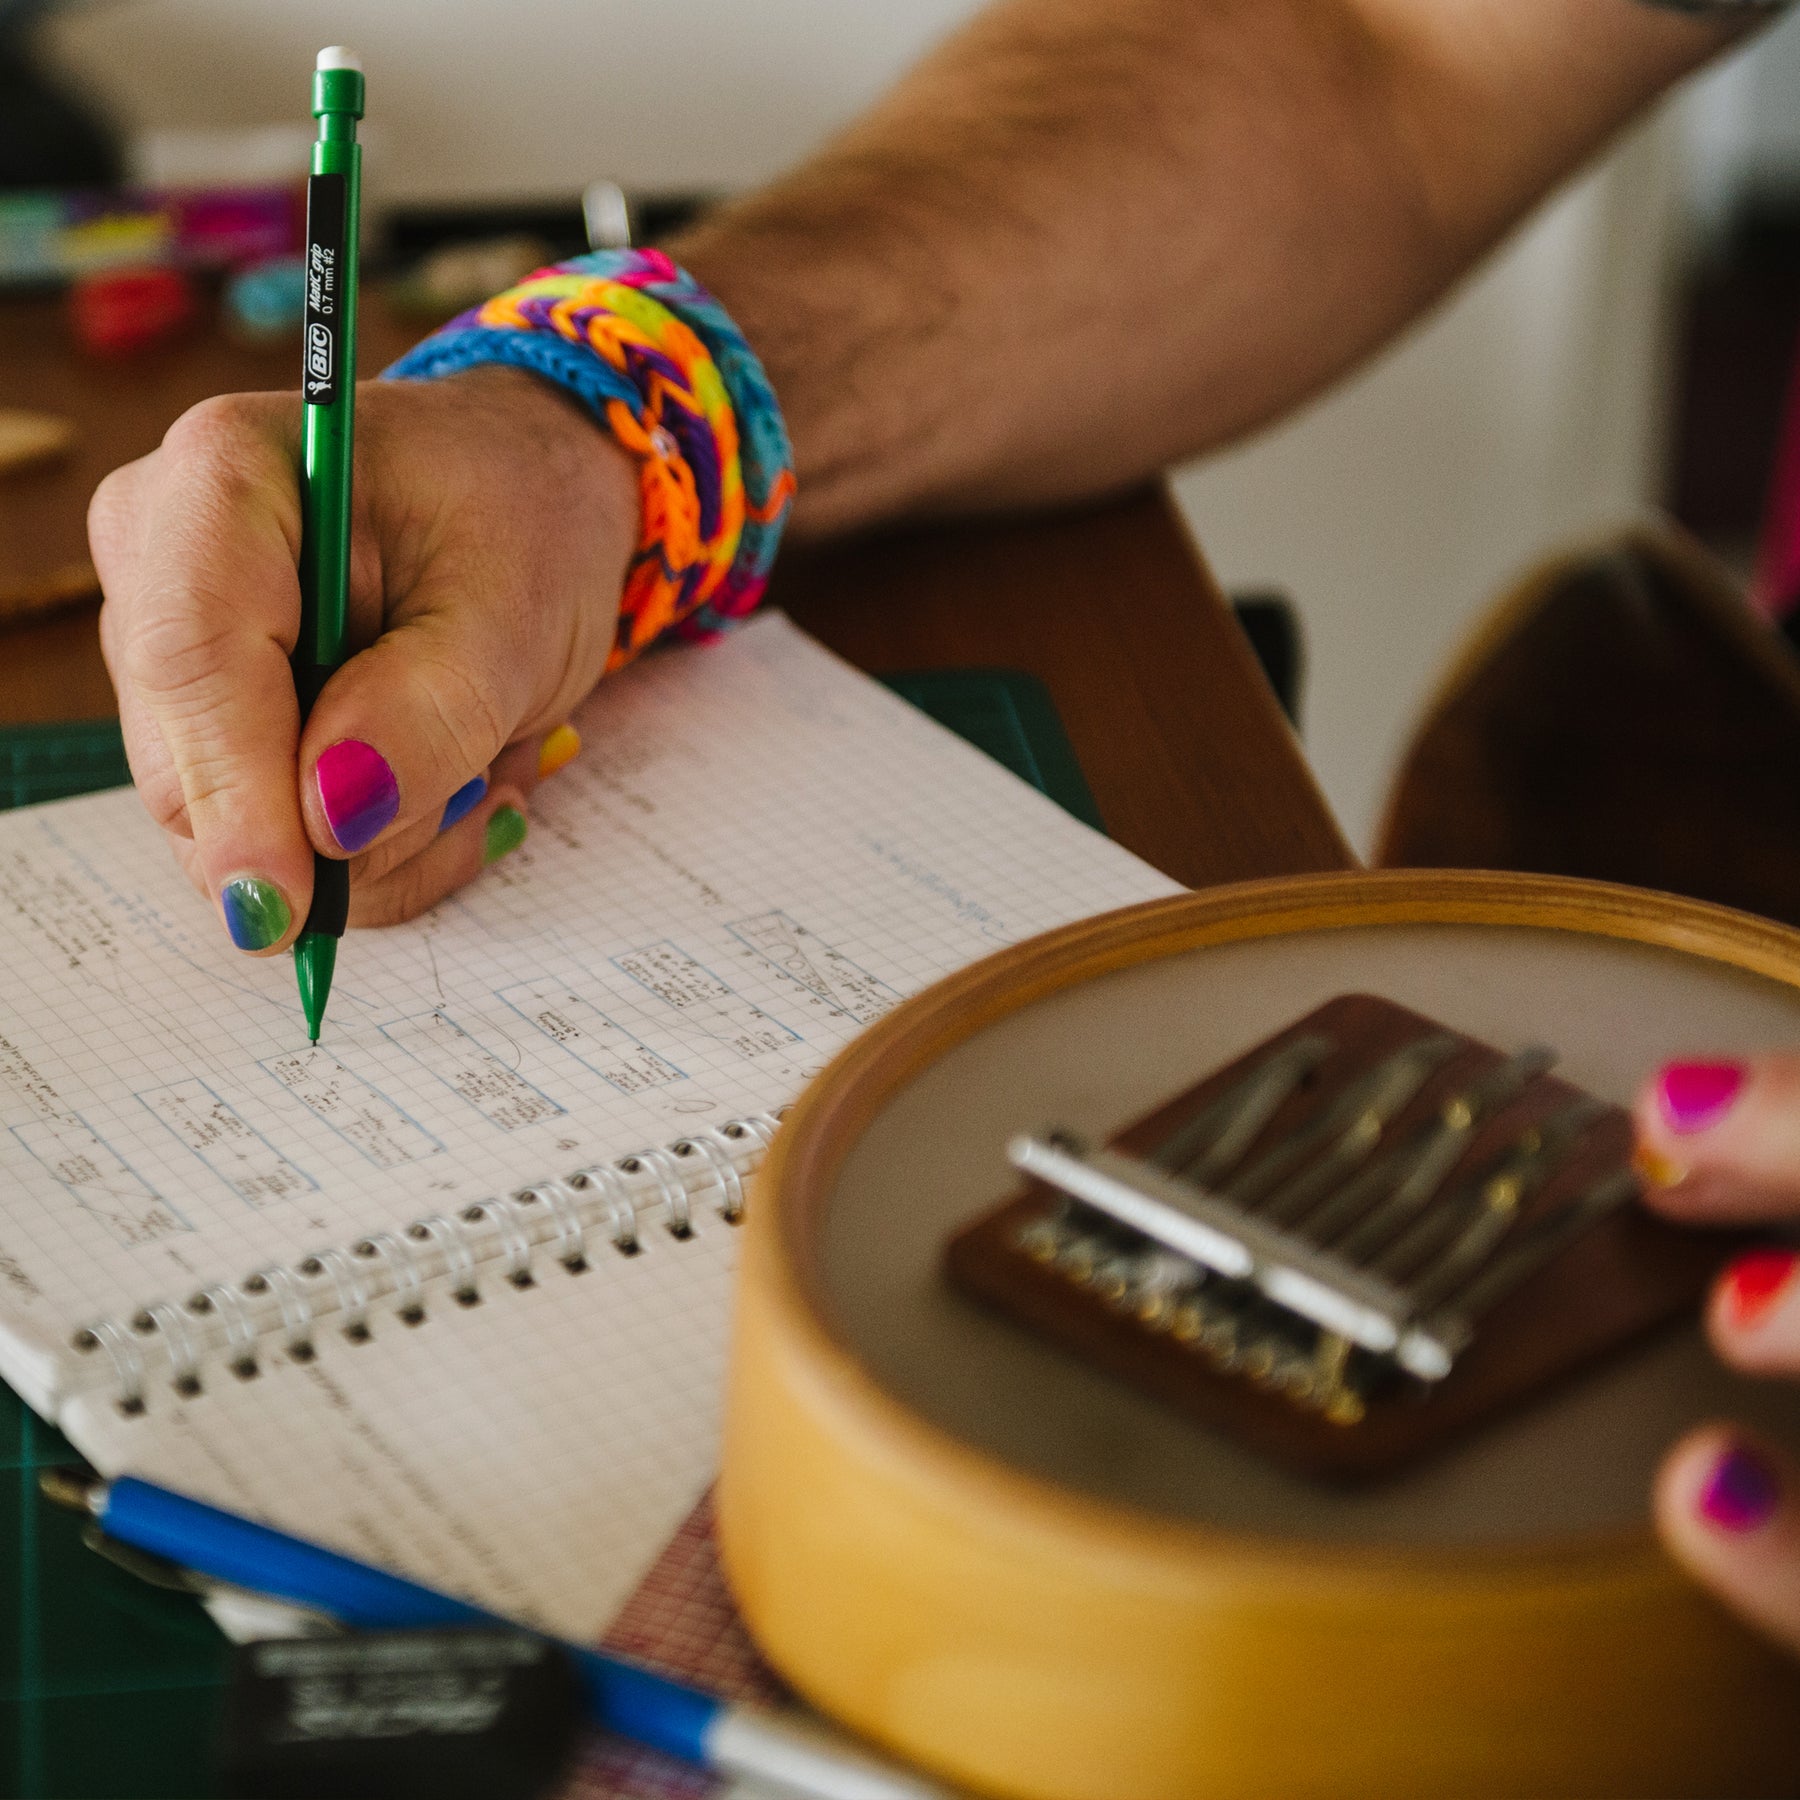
(1349, 1242)
(1205, 1147)
(1498, 1201)
(1440, 1144)
(1343, 1134)
(1489, 1205)
(1538, 1245)
(1220, 1237)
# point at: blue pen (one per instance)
(622, 1697)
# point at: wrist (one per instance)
(652, 356)
(570, 448)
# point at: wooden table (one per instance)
(1187, 753)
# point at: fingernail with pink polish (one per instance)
(1741, 1493)
(358, 792)
(1694, 1095)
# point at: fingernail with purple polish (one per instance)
(462, 802)
(1741, 1493)
(1694, 1095)
(358, 791)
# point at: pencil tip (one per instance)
(315, 955)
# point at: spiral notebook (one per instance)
(451, 1291)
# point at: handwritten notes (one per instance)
(758, 854)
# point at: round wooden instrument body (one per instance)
(1028, 1578)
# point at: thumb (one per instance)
(199, 626)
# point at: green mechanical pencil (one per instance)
(328, 387)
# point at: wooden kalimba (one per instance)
(984, 1548)
(1358, 1238)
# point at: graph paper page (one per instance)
(758, 852)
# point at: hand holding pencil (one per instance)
(600, 461)
(491, 528)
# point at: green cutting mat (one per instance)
(108, 1687)
(1011, 716)
(51, 762)
(1005, 712)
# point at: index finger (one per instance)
(202, 622)
(1719, 1137)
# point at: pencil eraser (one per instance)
(480, 1714)
(336, 56)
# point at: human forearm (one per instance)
(1086, 239)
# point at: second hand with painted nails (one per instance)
(328, 387)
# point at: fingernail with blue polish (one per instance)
(256, 912)
(462, 802)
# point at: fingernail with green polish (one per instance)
(256, 912)
(505, 833)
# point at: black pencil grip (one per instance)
(330, 909)
(309, 678)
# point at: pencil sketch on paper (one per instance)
(358, 1113)
(817, 966)
(101, 1179)
(502, 1097)
(591, 1036)
(704, 1001)
(227, 1143)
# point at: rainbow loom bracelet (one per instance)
(658, 361)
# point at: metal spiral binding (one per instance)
(296, 1309)
(344, 1293)
(620, 1211)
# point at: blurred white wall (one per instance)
(1742, 127)
(510, 97)
(1526, 411)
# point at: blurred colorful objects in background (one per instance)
(128, 310)
(268, 299)
(49, 237)
(456, 276)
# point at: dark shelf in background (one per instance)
(1735, 358)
